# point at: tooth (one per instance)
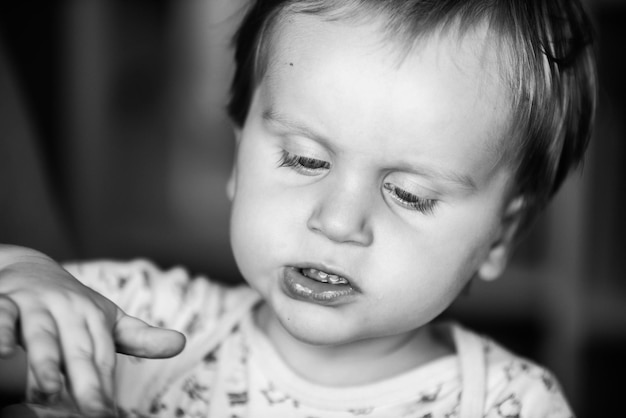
(337, 280)
(323, 276)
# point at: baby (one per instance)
(388, 153)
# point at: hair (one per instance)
(547, 62)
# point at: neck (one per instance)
(355, 363)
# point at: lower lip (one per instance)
(300, 287)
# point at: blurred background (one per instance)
(114, 143)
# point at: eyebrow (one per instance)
(276, 118)
(435, 173)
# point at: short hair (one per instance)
(549, 66)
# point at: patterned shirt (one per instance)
(230, 369)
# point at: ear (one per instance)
(231, 184)
(494, 264)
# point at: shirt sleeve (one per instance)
(195, 306)
(526, 390)
(164, 298)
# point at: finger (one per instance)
(84, 381)
(39, 336)
(8, 318)
(104, 353)
(136, 338)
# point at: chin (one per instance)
(313, 337)
(315, 329)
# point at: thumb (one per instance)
(136, 338)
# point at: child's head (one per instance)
(387, 151)
(546, 59)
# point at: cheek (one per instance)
(462, 248)
(412, 282)
(262, 221)
(436, 258)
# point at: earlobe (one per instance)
(496, 261)
(231, 184)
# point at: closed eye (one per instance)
(409, 200)
(304, 165)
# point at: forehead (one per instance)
(351, 79)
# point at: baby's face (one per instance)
(367, 189)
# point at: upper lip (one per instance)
(326, 268)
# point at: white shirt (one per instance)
(230, 369)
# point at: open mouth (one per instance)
(318, 286)
(323, 277)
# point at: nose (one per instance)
(343, 216)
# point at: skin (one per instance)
(401, 190)
(67, 328)
(373, 126)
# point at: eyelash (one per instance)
(409, 200)
(310, 167)
(303, 165)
